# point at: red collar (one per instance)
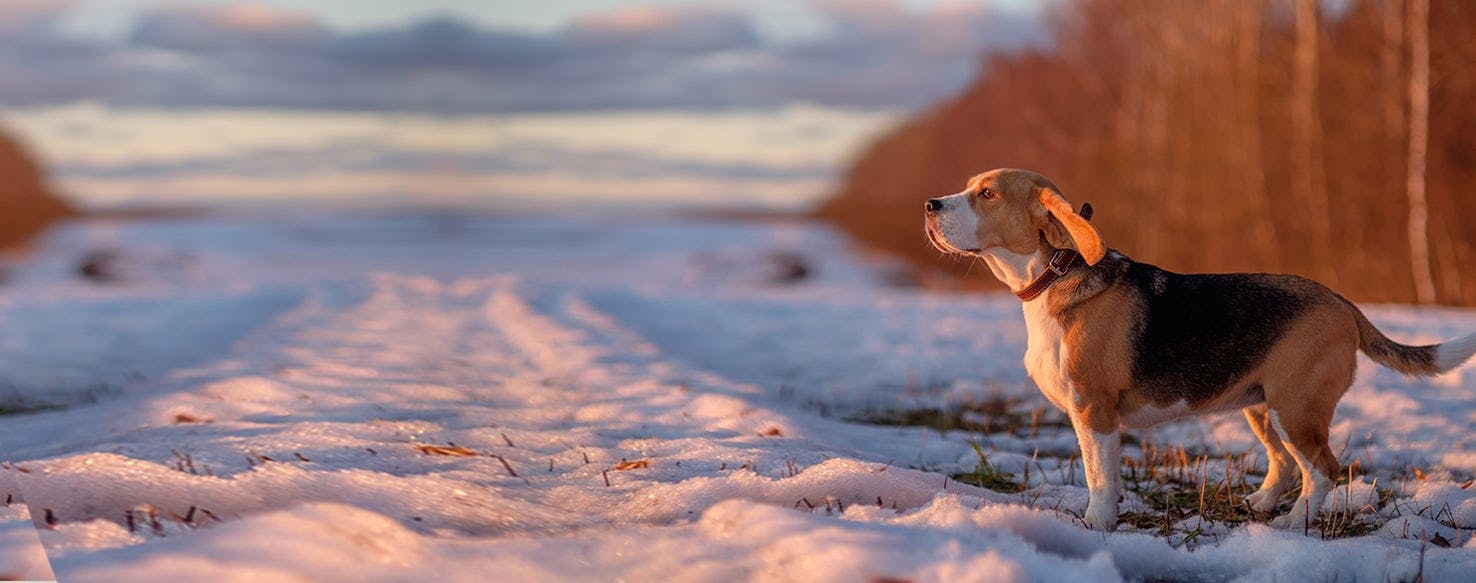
(1061, 261)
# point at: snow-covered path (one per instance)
(525, 420)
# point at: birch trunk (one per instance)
(1419, 132)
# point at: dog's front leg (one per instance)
(1101, 455)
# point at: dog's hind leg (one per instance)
(1302, 423)
(1279, 464)
(1309, 371)
(1308, 446)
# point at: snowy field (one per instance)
(441, 396)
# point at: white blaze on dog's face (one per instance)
(1015, 210)
(952, 225)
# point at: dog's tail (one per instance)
(1428, 360)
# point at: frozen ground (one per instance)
(446, 397)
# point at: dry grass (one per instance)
(1182, 497)
(186, 418)
(451, 449)
(14, 401)
(992, 416)
(986, 475)
(1184, 493)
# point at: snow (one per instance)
(22, 558)
(285, 396)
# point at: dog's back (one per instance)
(1198, 335)
(1204, 333)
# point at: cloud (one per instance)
(204, 29)
(688, 103)
(442, 43)
(778, 158)
(27, 17)
(870, 54)
(686, 31)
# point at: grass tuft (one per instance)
(986, 475)
(1188, 497)
(996, 415)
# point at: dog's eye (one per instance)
(988, 193)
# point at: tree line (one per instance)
(1335, 141)
(27, 204)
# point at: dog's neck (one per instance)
(1014, 269)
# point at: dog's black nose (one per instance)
(933, 205)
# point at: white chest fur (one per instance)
(1045, 356)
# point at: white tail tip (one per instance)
(1455, 353)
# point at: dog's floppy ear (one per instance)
(1078, 233)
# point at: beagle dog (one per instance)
(1116, 343)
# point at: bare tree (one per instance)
(1391, 65)
(1142, 125)
(1247, 121)
(1419, 135)
(1309, 178)
(1224, 135)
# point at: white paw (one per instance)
(1263, 501)
(1101, 517)
(1294, 520)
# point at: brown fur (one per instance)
(1279, 463)
(1030, 207)
(1099, 355)
(1285, 346)
(1410, 360)
(1305, 373)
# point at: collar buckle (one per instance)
(1061, 260)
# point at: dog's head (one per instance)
(1016, 210)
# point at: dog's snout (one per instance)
(933, 205)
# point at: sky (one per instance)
(735, 103)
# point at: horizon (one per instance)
(727, 105)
